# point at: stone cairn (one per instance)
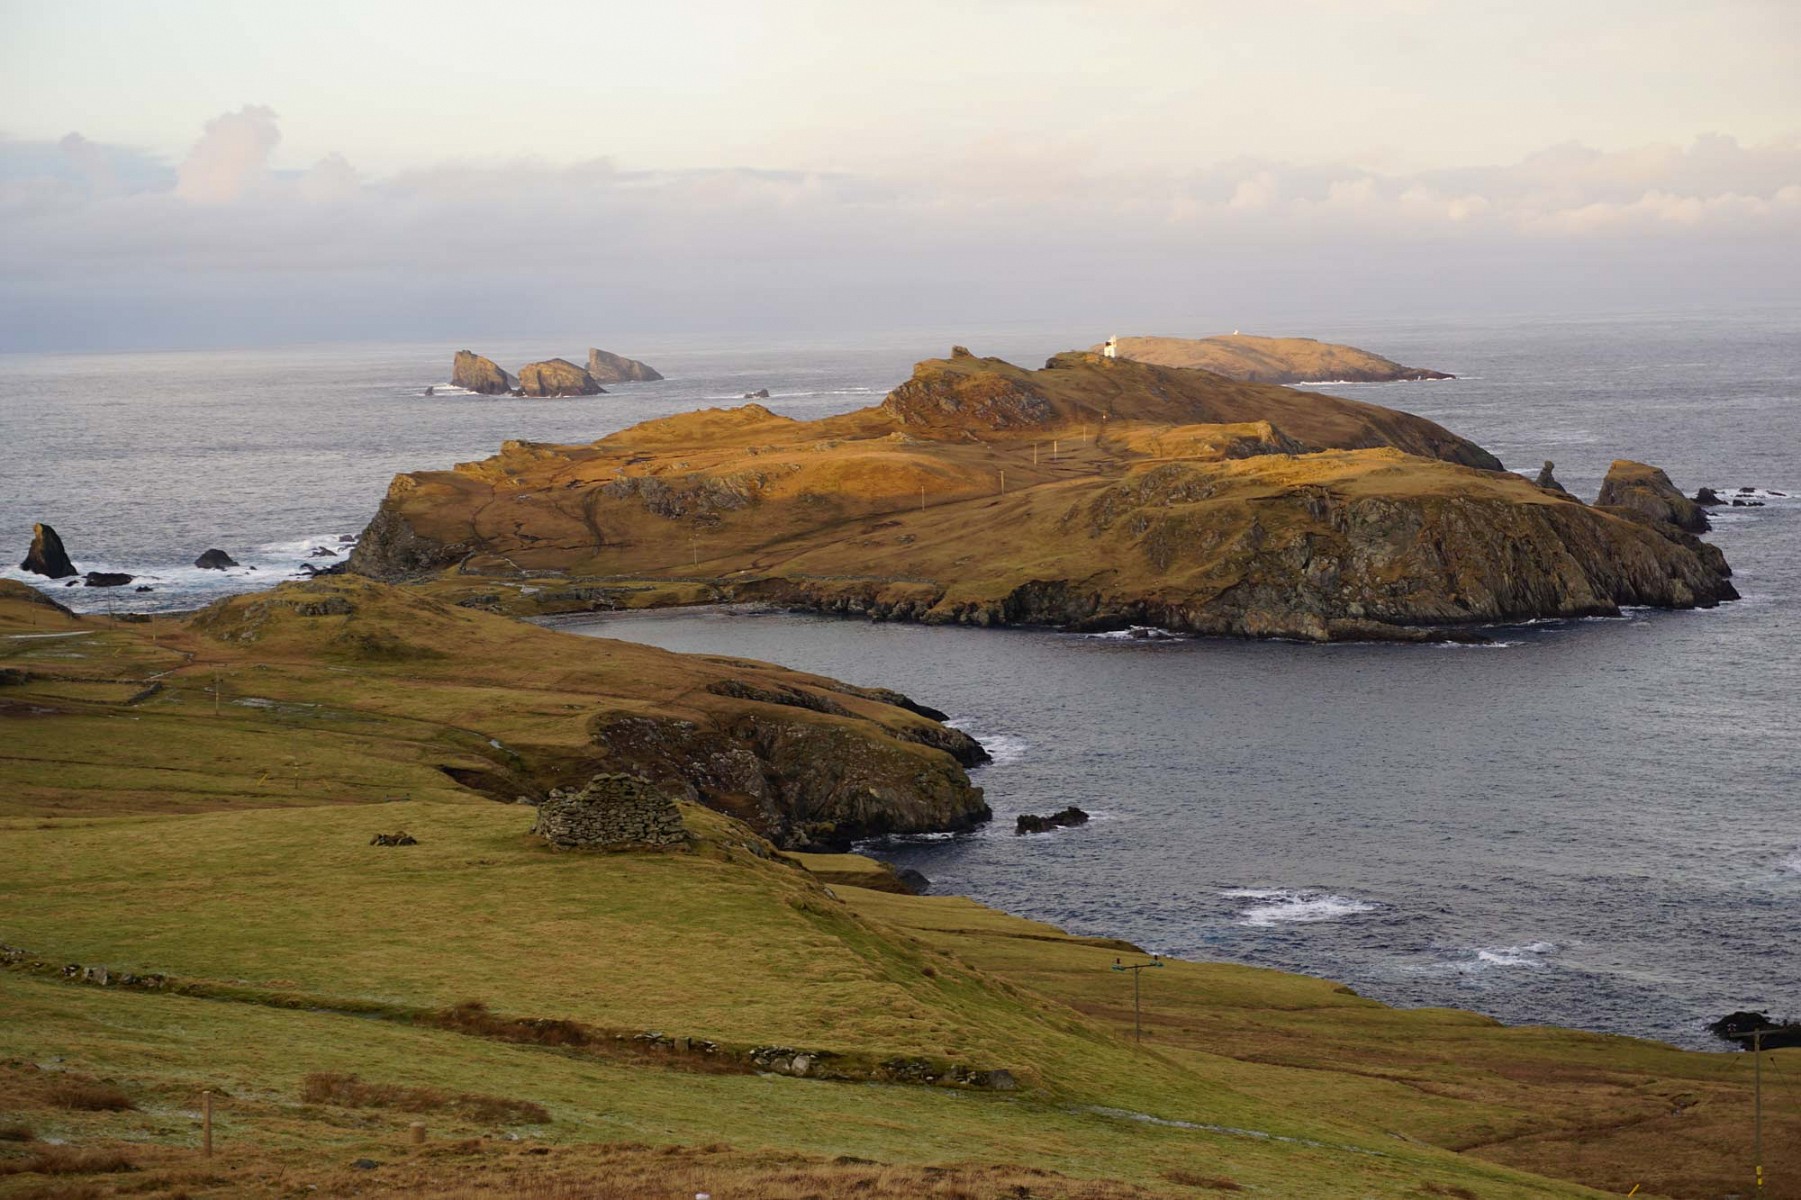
(609, 811)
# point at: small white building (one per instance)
(1111, 349)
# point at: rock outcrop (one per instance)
(1708, 498)
(46, 556)
(215, 560)
(1644, 489)
(1067, 818)
(1548, 481)
(1271, 360)
(1095, 493)
(607, 367)
(556, 377)
(106, 579)
(472, 372)
(610, 812)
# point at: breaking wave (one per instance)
(1295, 906)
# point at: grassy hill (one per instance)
(627, 1023)
(1094, 493)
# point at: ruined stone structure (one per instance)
(610, 811)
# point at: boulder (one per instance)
(759, 394)
(473, 373)
(607, 367)
(914, 881)
(47, 556)
(324, 552)
(556, 377)
(403, 838)
(215, 560)
(1548, 481)
(107, 579)
(1646, 490)
(1708, 497)
(1030, 823)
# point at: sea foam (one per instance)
(1295, 906)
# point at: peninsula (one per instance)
(1093, 493)
(1270, 359)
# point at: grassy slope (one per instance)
(278, 899)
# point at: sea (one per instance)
(1587, 823)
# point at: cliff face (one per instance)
(1092, 493)
(1644, 489)
(607, 367)
(1272, 360)
(556, 377)
(474, 373)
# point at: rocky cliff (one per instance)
(472, 372)
(556, 377)
(1092, 493)
(1646, 490)
(607, 367)
(46, 556)
(1272, 360)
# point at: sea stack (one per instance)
(607, 367)
(473, 373)
(1548, 481)
(47, 556)
(215, 560)
(556, 377)
(1646, 490)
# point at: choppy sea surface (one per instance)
(1592, 823)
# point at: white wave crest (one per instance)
(1136, 633)
(1003, 748)
(1531, 954)
(1295, 906)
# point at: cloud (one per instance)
(230, 158)
(468, 242)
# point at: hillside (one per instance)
(632, 1023)
(1093, 493)
(1271, 360)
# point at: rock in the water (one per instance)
(607, 367)
(556, 377)
(1030, 823)
(143, 588)
(1646, 490)
(1708, 497)
(215, 560)
(610, 811)
(346, 539)
(107, 579)
(1740, 1026)
(759, 394)
(324, 552)
(473, 373)
(1548, 481)
(47, 556)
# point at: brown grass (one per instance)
(1444, 1189)
(348, 1091)
(88, 1096)
(17, 1132)
(69, 1160)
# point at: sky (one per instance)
(197, 173)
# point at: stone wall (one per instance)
(611, 810)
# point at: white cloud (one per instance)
(230, 158)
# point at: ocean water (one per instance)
(1591, 823)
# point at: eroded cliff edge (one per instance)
(1092, 493)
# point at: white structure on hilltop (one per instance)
(1111, 349)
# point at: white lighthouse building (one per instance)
(1111, 349)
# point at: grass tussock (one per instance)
(348, 1091)
(17, 1131)
(88, 1096)
(69, 1160)
(1194, 1179)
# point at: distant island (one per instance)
(552, 377)
(1269, 359)
(1094, 493)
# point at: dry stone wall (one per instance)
(610, 811)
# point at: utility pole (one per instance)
(1757, 1105)
(1137, 1021)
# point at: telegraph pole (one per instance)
(1137, 1021)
